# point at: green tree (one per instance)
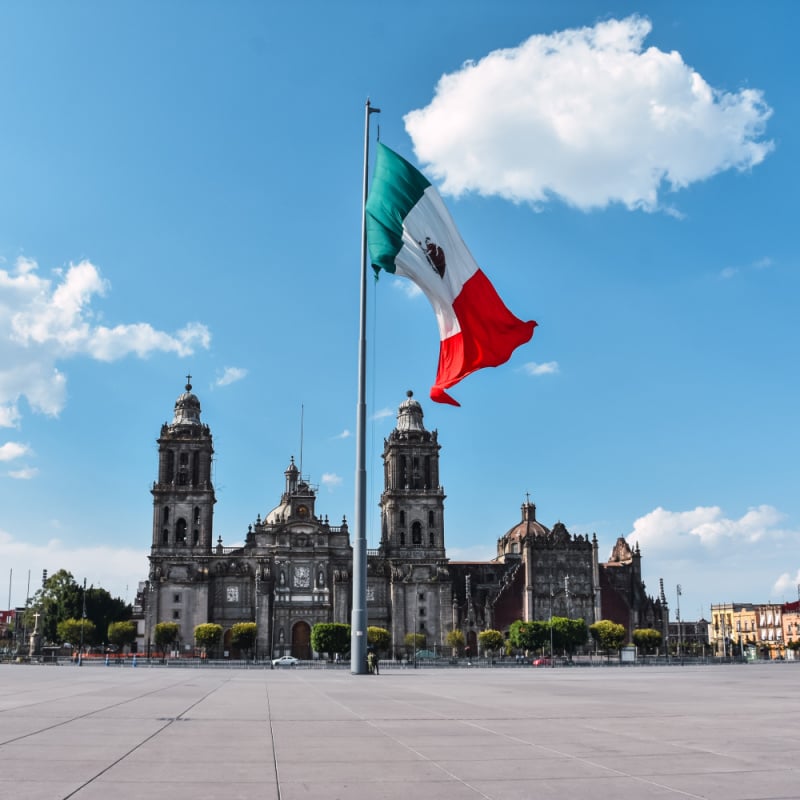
(166, 634)
(243, 636)
(608, 635)
(69, 631)
(414, 642)
(103, 609)
(531, 635)
(456, 640)
(568, 634)
(379, 639)
(61, 598)
(122, 634)
(647, 639)
(491, 640)
(330, 638)
(207, 635)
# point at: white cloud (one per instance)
(587, 115)
(707, 526)
(786, 585)
(758, 265)
(717, 558)
(11, 450)
(331, 480)
(345, 434)
(141, 339)
(118, 570)
(383, 414)
(9, 416)
(24, 474)
(230, 375)
(547, 368)
(45, 321)
(407, 287)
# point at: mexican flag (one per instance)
(411, 233)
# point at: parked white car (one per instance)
(285, 661)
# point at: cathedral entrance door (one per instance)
(301, 640)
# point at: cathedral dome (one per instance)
(187, 407)
(278, 514)
(409, 414)
(529, 526)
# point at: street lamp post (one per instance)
(273, 596)
(553, 593)
(272, 629)
(255, 638)
(416, 623)
(83, 625)
(678, 615)
(739, 637)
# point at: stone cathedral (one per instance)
(294, 568)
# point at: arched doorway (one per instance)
(229, 649)
(301, 640)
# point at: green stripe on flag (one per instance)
(396, 188)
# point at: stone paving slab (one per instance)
(727, 732)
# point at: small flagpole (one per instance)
(358, 619)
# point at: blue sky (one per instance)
(180, 192)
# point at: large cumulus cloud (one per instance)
(589, 116)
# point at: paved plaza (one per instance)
(730, 732)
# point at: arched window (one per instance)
(183, 470)
(402, 539)
(196, 537)
(431, 518)
(180, 531)
(416, 534)
(430, 538)
(165, 536)
(402, 517)
(170, 466)
(196, 515)
(165, 514)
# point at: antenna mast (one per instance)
(302, 411)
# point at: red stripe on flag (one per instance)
(489, 335)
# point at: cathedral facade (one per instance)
(294, 568)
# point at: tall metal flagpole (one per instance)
(358, 619)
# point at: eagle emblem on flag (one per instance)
(435, 256)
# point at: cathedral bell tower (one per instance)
(183, 495)
(412, 503)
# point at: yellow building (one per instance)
(733, 629)
(790, 620)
